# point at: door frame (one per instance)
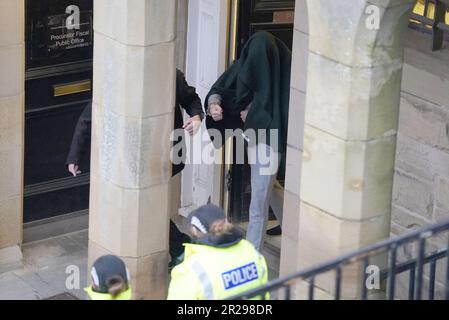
(192, 197)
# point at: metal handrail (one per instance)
(363, 254)
(411, 264)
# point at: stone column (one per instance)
(353, 80)
(134, 97)
(12, 79)
(290, 232)
(181, 34)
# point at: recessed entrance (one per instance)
(276, 17)
(59, 49)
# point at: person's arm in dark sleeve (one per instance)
(187, 97)
(189, 100)
(81, 137)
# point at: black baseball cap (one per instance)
(106, 267)
(203, 217)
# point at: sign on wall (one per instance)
(58, 32)
(70, 30)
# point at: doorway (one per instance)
(276, 17)
(58, 85)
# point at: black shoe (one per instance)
(276, 231)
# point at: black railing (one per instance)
(436, 26)
(415, 266)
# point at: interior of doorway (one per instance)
(276, 17)
(58, 86)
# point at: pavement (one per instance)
(56, 269)
(50, 267)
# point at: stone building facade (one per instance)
(366, 159)
(420, 189)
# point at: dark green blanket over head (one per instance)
(260, 76)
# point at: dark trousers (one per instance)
(176, 241)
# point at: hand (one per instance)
(216, 112)
(74, 169)
(192, 125)
(243, 115)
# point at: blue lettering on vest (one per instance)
(239, 276)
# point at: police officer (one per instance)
(110, 280)
(219, 264)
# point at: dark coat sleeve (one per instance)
(81, 137)
(261, 76)
(187, 97)
(225, 87)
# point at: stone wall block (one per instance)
(291, 220)
(413, 194)
(442, 193)
(11, 183)
(136, 22)
(323, 237)
(125, 80)
(12, 75)
(134, 218)
(293, 167)
(12, 22)
(350, 180)
(353, 103)
(299, 61)
(11, 122)
(297, 112)
(358, 43)
(424, 121)
(131, 154)
(301, 16)
(10, 222)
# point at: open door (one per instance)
(205, 62)
(276, 17)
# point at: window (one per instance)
(426, 8)
(432, 17)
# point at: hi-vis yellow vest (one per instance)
(210, 273)
(126, 295)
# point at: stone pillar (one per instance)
(181, 36)
(353, 81)
(12, 79)
(134, 97)
(290, 232)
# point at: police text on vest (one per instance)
(239, 276)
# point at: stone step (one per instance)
(272, 255)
